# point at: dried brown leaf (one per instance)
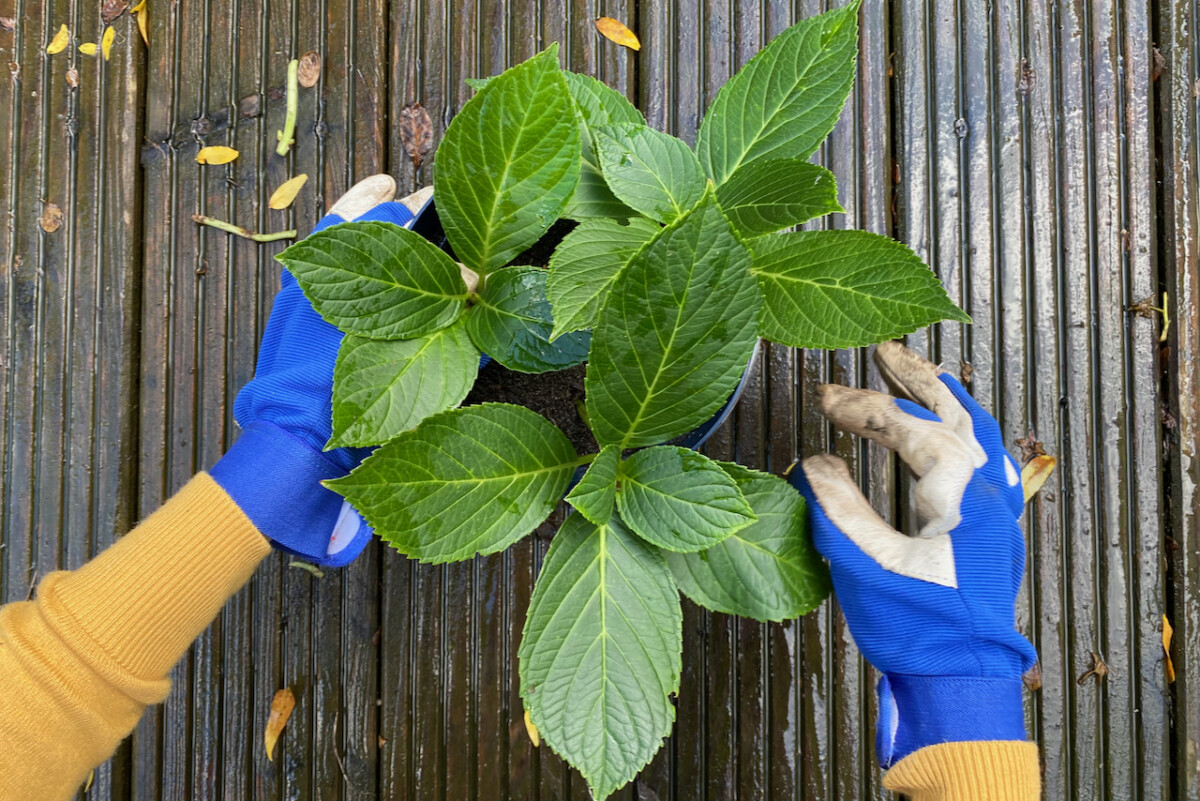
(59, 42)
(281, 709)
(111, 9)
(1030, 446)
(73, 78)
(1033, 678)
(8, 24)
(1035, 472)
(52, 218)
(615, 31)
(216, 154)
(106, 41)
(310, 69)
(1166, 641)
(416, 132)
(1098, 670)
(283, 197)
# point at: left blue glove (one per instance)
(275, 469)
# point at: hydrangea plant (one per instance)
(681, 260)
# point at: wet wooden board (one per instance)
(1016, 146)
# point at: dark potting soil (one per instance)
(557, 396)
(539, 253)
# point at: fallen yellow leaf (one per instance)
(1035, 472)
(281, 709)
(143, 20)
(216, 154)
(1167, 632)
(534, 737)
(282, 197)
(59, 42)
(106, 41)
(138, 7)
(88, 48)
(615, 31)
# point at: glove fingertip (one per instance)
(392, 211)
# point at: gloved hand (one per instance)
(273, 471)
(934, 613)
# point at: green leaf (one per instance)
(786, 99)
(772, 194)
(596, 105)
(675, 333)
(845, 289)
(467, 481)
(679, 500)
(508, 164)
(650, 171)
(377, 280)
(600, 655)
(512, 322)
(585, 264)
(478, 83)
(384, 387)
(767, 571)
(596, 492)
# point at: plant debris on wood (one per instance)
(1166, 641)
(106, 42)
(216, 154)
(52, 218)
(245, 233)
(1098, 670)
(59, 42)
(281, 709)
(1034, 474)
(285, 195)
(111, 9)
(287, 135)
(416, 132)
(616, 31)
(309, 71)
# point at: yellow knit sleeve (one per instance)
(975, 771)
(80, 663)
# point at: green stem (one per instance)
(286, 136)
(307, 567)
(238, 230)
(586, 459)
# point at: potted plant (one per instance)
(675, 269)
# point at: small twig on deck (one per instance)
(238, 230)
(293, 104)
(338, 756)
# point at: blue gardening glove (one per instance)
(934, 613)
(273, 471)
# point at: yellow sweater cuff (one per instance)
(971, 771)
(136, 608)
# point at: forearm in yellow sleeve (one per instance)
(970, 771)
(79, 664)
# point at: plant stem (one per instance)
(587, 458)
(307, 567)
(293, 102)
(242, 232)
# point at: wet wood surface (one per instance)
(1041, 156)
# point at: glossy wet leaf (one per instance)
(600, 654)
(384, 387)
(285, 195)
(512, 322)
(596, 492)
(649, 171)
(772, 194)
(845, 289)
(785, 100)
(766, 571)
(216, 154)
(675, 333)
(60, 41)
(679, 500)
(597, 105)
(508, 164)
(281, 709)
(585, 264)
(416, 132)
(467, 481)
(617, 32)
(377, 280)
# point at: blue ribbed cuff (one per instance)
(916, 711)
(275, 479)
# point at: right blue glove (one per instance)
(935, 612)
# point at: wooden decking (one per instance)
(1041, 155)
